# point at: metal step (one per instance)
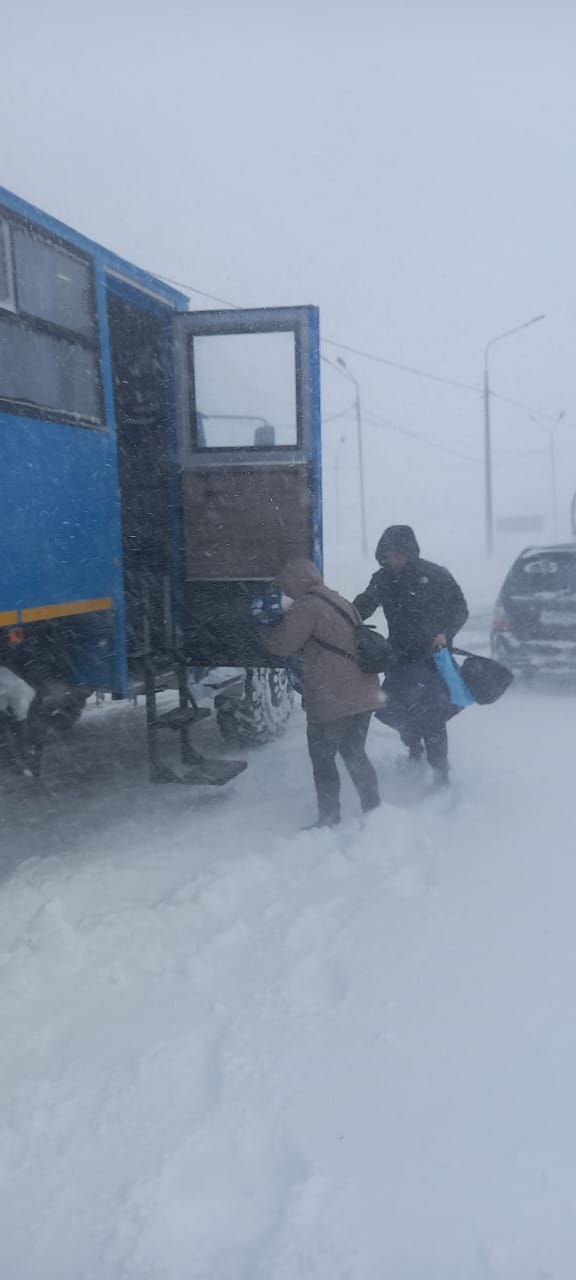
(204, 773)
(179, 717)
(213, 773)
(198, 771)
(168, 680)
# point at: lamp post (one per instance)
(489, 505)
(343, 367)
(553, 431)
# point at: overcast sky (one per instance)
(409, 167)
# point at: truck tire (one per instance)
(60, 710)
(262, 714)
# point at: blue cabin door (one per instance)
(248, 400)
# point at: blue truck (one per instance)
(159, 465)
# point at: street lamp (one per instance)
(488, 431)
(551, 433)
(347, 374)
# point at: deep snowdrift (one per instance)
(236, 1052)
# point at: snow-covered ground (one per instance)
(231, 1051)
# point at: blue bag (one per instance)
(267, 609)
(460, 695)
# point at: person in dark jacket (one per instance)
(338, 697)
(424, 608)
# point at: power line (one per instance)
(212, 297)
(404, 368)
(377, 420)
(414, 370)
(387, 425)
(526, 408)
(331, 417)
(435, 377)
(505, 460)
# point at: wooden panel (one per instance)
(246, 523)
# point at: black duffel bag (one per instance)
(486, 679)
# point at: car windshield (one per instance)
(544, 573)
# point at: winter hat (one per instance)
(398, 537)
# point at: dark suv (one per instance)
(534, 626)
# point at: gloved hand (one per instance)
(267, 609)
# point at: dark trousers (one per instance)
(345, 737)
(435, 745)
(418, 707)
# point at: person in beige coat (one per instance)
(338, 697)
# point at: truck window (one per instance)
(53, 284)
(245, 391)
(6, 281)
(49, 352)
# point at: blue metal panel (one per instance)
(90, 652)
(60, 520)
(56, 533)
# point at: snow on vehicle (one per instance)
(159, 467)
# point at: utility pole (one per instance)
(553, 476)
(553, 431)
(489, 505)
(488, 499)
(360, 445)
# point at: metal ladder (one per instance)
(199, 769)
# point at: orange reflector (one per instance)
(67, 609)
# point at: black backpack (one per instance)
(373, 653)
(486, 679)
